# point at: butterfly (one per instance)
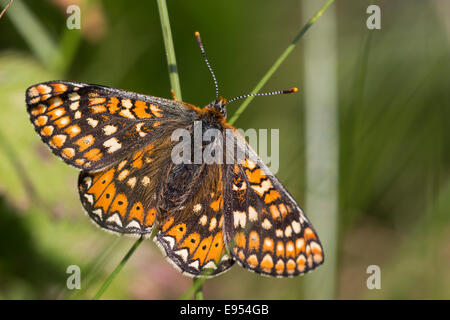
(207, 215)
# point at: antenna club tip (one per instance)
(294, 90)
(197, 34)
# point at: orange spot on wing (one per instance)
(301, 262)
(62, 122)
(93, 154)
(255, 176)
(252, 261)
(290, 249)
(150, 218)
(112, 105)
(58, 141)
(105, 199)
(268, 245)
(137, 212)
(85, 142)
(216, 205)
(178, 231)
(280, 249)
(240, 240)
(275, 213)
(100, 182)
(140, 109)
(299, 246)
(54, 103)
(290, 266)
(47, 131)
(309, 234)
(167, 224)
(215, 252)
(253, 241)
(120, 204)
(271, 196)
(191, 242)
(267, 264)
(137, 160)
(279, 267)
(73, 130)
(202, 250)
(56, 113)
(59, 88)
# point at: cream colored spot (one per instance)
(250, 164)
(252, 214)
(109, 129)
(183, 253)
(133, 225)
(131, 182)
(126, 113)
(112, 144)
(77, 115)
(266, 224)
(145, 181)
(92, 122)
(265, 186)
(115, 219)
(58, 112)
(74, 96)
(75, 105)
(121, 165)
(203, 220)
(279, 233)
(212, 224)
(242, 187)
(240, 218)
(197, 207)
(288, 231)
(33, 92)
(296, 226)
(127, 103)
(123, 174)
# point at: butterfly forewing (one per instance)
(92, 127)
(266, 230)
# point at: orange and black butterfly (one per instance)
(207, 215)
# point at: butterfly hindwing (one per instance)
(265, 228)
(91, 126)
(192, 237)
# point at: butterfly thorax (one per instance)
(218, 107)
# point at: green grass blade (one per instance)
(117, 269)
(170, 51)
(40, 42)
(279, 61)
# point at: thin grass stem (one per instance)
(279, 61)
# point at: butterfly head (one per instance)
(219, 106)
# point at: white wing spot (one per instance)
(112, 144)
(109, 129)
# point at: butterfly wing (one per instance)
(123, 197)
(91, 126)
(266, 230)
(192, 236)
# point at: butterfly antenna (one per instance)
(292, 90)
(202, 49)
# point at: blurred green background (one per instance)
(393, 99)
